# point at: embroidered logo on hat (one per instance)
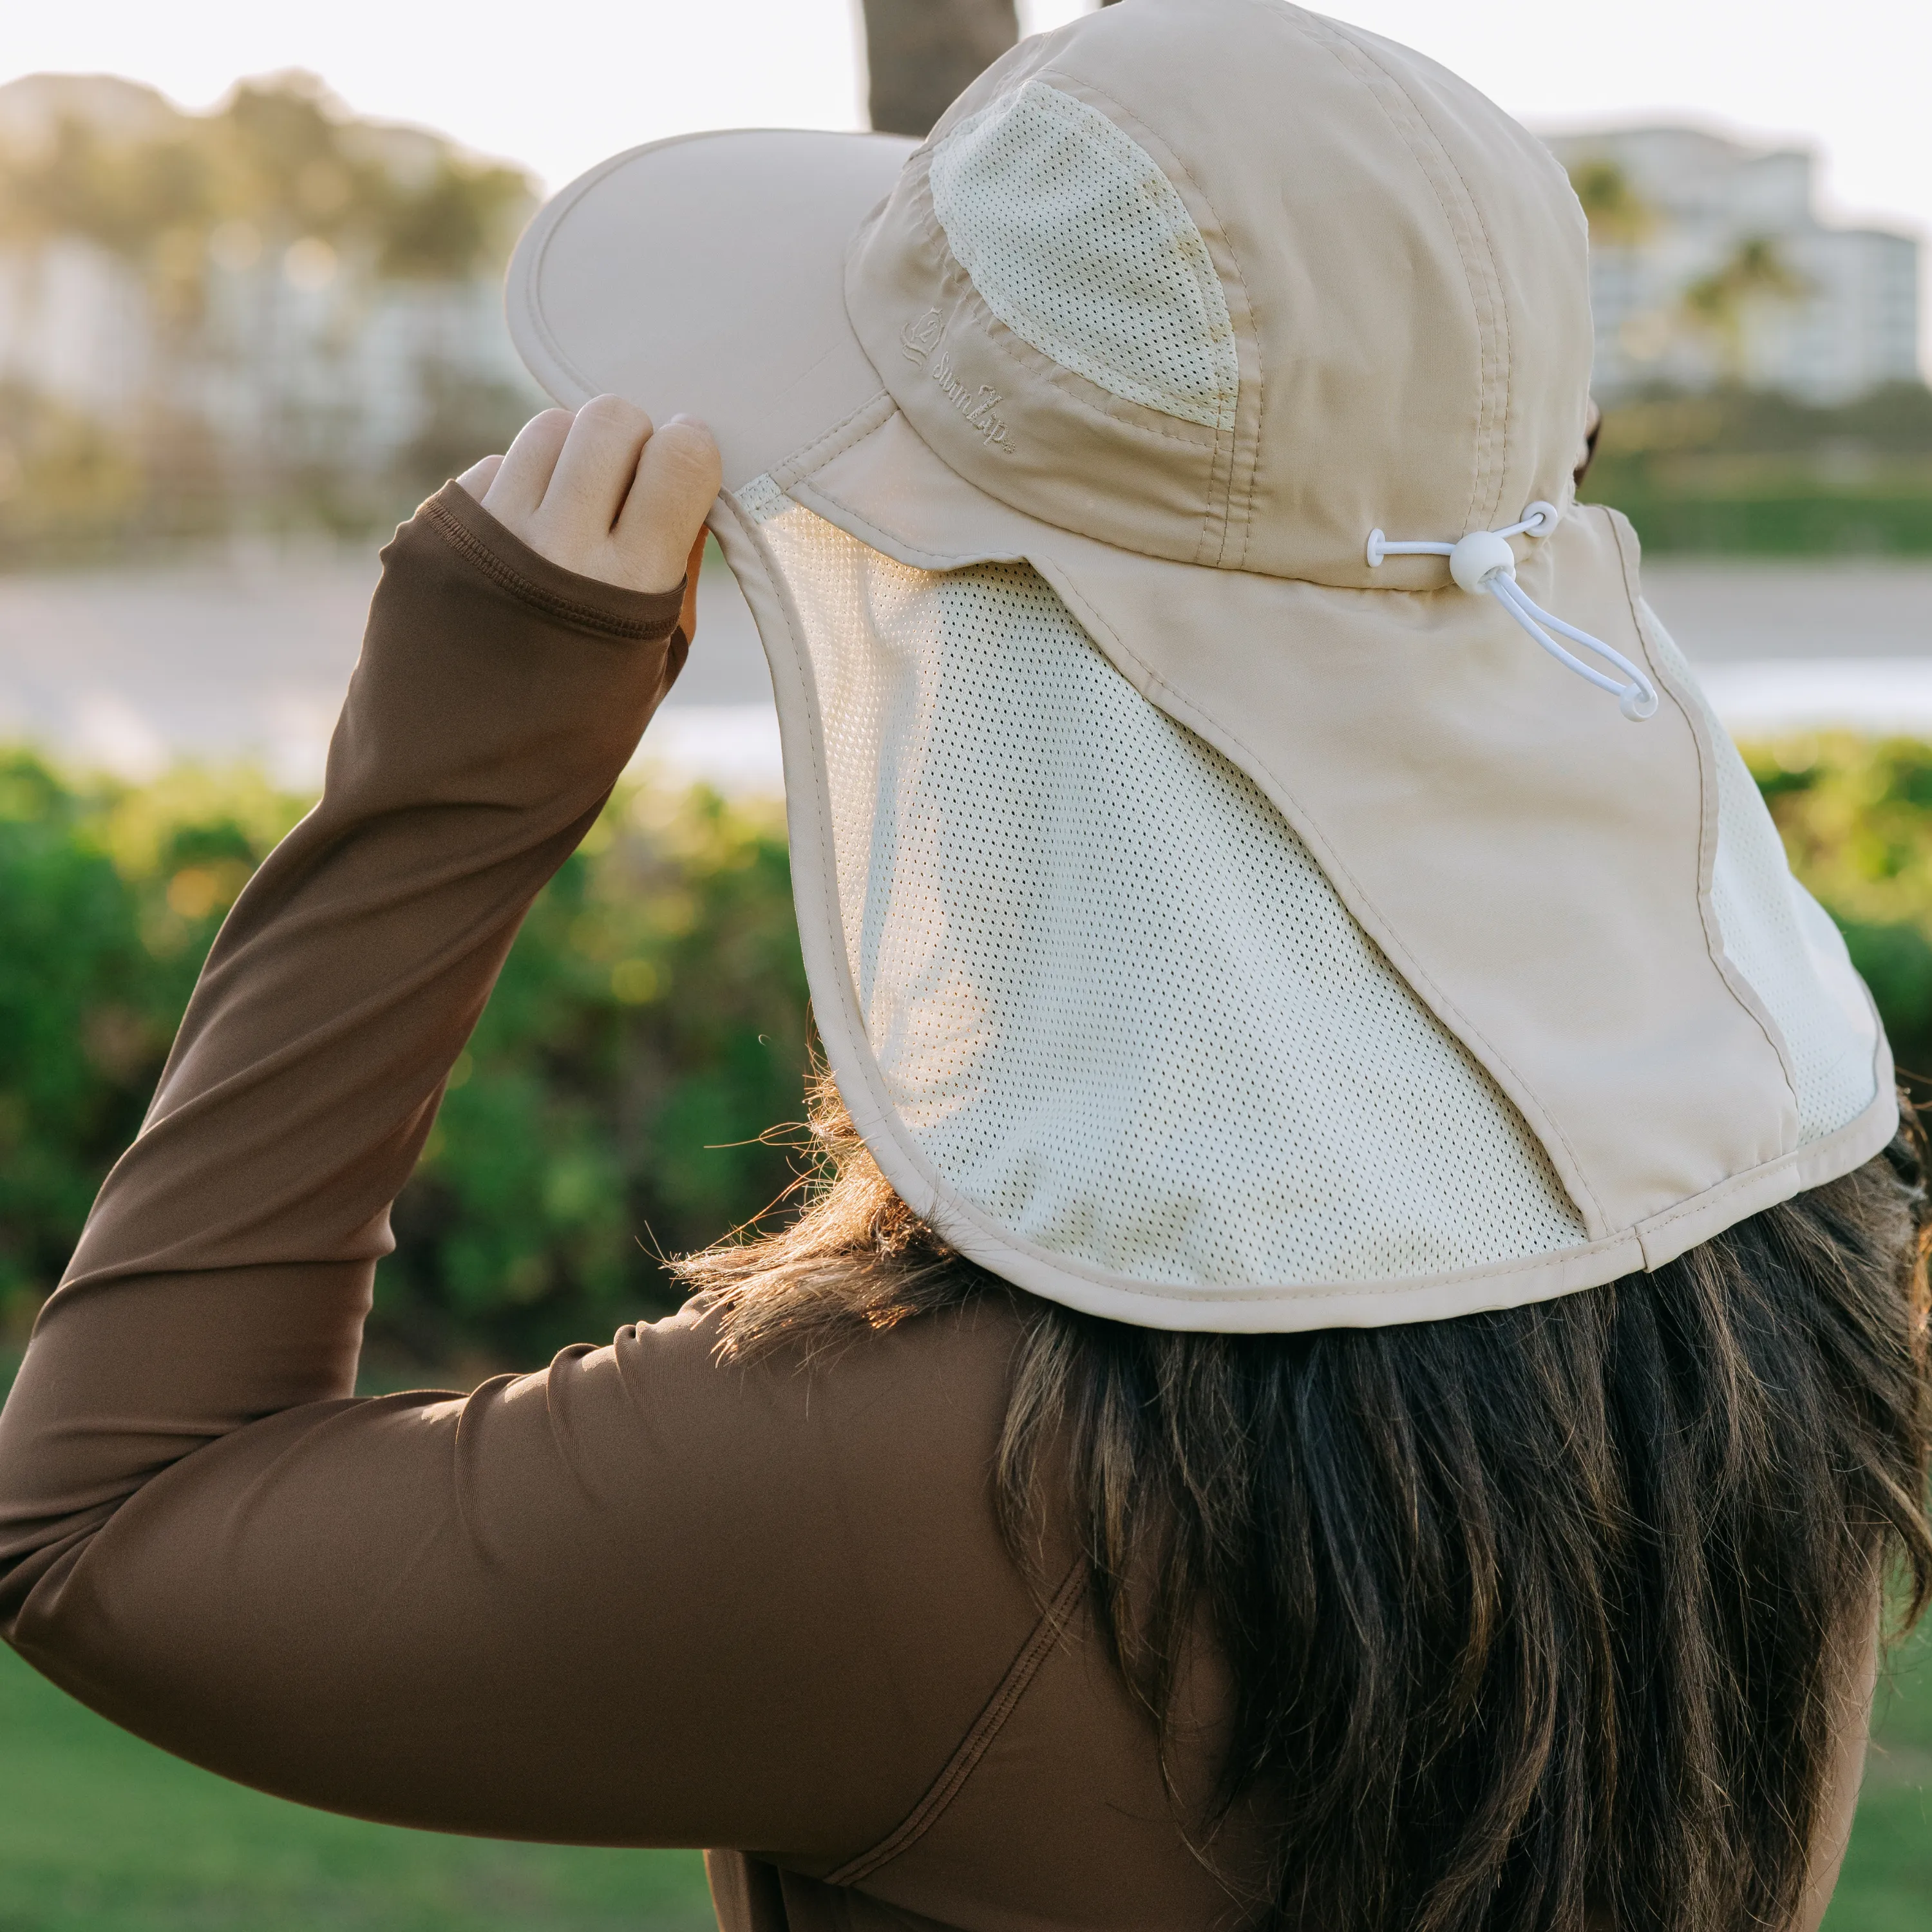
(918, 340)
(979, 407)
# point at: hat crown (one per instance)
(1259, 281)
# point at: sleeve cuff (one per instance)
(583, 603)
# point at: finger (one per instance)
(594, 467)
(525, 472)
(677, 480)
(687, 611)
(477, 478)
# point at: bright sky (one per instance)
(558, 84)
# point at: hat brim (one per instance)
(705, 274)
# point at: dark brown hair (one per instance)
(1531, 1615)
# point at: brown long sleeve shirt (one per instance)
(641, 1598)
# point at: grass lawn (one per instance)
(1887, 1886)
(101, 1832)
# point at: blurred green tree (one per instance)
(216, 217)
(1855, 814)
(1617, 215)
(1739, 470)
(1753, 278)
(281, 157)
(615, 1103)
(109, 898)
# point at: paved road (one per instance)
(1782, 644)
(247, 656)
(1733, 612)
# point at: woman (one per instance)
(1356, 1358)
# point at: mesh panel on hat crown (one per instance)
(1078, 243)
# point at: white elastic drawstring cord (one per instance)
(1483, 561)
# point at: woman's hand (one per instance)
(601, 492)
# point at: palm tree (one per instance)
(1618, 216)
(1753, 277)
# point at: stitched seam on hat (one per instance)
(1494, 282)
(821, 786)
(1330, 39)
(1714, 1195)
(1223, 438)
(986, 1727)
(1709, 829)
(550, 603)
(1254, 461)
(1490, 295)
(825, 871)
(1735, 981)
(1493, 514)
(1465, 1028)
(835, 441)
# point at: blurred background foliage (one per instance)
(277, 316)
(649, 1028)
(273, 316)
(1755, 471)
(1856, 816)
(277, 163)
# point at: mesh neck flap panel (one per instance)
(1114, 1001)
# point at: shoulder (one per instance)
(921, 1402)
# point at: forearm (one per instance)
(225, 1269)
(647, 1596)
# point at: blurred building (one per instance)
(1709, 262)
(283, 301)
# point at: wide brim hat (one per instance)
(1218, 916)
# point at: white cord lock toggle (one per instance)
(1482, 561)
(1477, 558)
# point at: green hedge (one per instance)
(1797, 523)
(649, 1028)
(1743, 471)
(1856, 816)
(109, 898)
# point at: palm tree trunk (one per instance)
(921, 53)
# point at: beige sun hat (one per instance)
(1226, 904)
